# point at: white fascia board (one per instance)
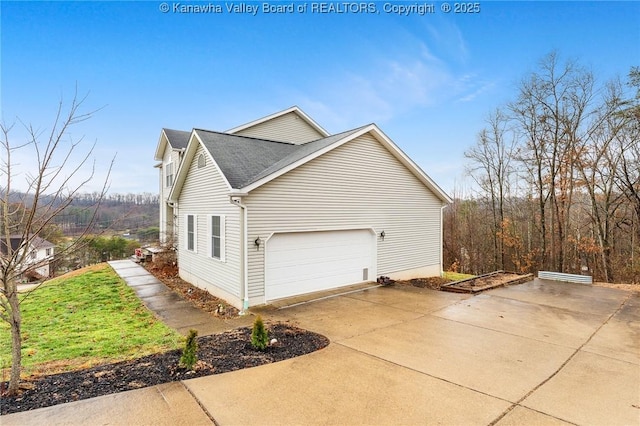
(384, 140)
(185, 164)
(161, 147)
(410, 164)
(293, 109)
(180, 174)
(302, 161)
(306, 159)
(213, 161)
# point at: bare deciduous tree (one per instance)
(492, 170)
(62, 167)
(575, 187)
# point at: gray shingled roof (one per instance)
(177, 138)
(245, 160)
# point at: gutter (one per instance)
(236, 200)
(442, 238)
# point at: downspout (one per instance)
(236, 200)
(442, 239)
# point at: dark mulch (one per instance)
(167, 272)
(217, 354)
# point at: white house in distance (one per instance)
(36, 258)
(278, 207)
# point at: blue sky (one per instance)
(428, 81)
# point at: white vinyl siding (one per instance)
(167, 230)
(191, 233)
(205, 194)
(286, 128)
(358, 185)
(216, 236)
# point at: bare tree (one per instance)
(492, 170)
(60, 175)
(551, 111)
(599, 162)
(629, 141)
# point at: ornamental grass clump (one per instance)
(259, 335)
(190, 352)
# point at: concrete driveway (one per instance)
(536, 353)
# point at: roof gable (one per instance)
(282, 126)
(311, 150)
(17, 241)
(175, 139)
(248, 163)
(241, 158)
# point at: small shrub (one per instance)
(259, 335)
(190, 352)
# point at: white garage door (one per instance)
(304, 262)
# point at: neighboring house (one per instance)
(279, 207)
(36, 257)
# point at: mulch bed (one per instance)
(167, 272)
(487, 282)
(217, 354)
(434, 283)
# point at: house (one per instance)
(36, 257)
(279, 207)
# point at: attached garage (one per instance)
(304, 262)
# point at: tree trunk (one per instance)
(16, 341)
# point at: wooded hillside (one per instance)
(558, 177)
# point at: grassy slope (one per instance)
(84, 318)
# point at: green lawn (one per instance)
(455, 276)
(84, 318)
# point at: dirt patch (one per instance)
(167, 272)
(486, 282)
(219, 353)
(469, 285)
(434, 283)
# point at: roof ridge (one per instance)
(243, 137)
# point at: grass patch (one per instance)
(455, 276)
(85, 318)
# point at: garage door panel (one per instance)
(299, 263)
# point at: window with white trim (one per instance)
(216, 235)
(192, 232)
(168, 174)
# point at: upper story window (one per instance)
(48, 252)
(34, 254)
(168, 174)
(202, 161)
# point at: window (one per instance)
(34, 254)
(48, 251)
(191, 232)
(168, 174)
(201, 161)
(216, 223)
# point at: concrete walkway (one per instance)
(174, 311)
(537, 353)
